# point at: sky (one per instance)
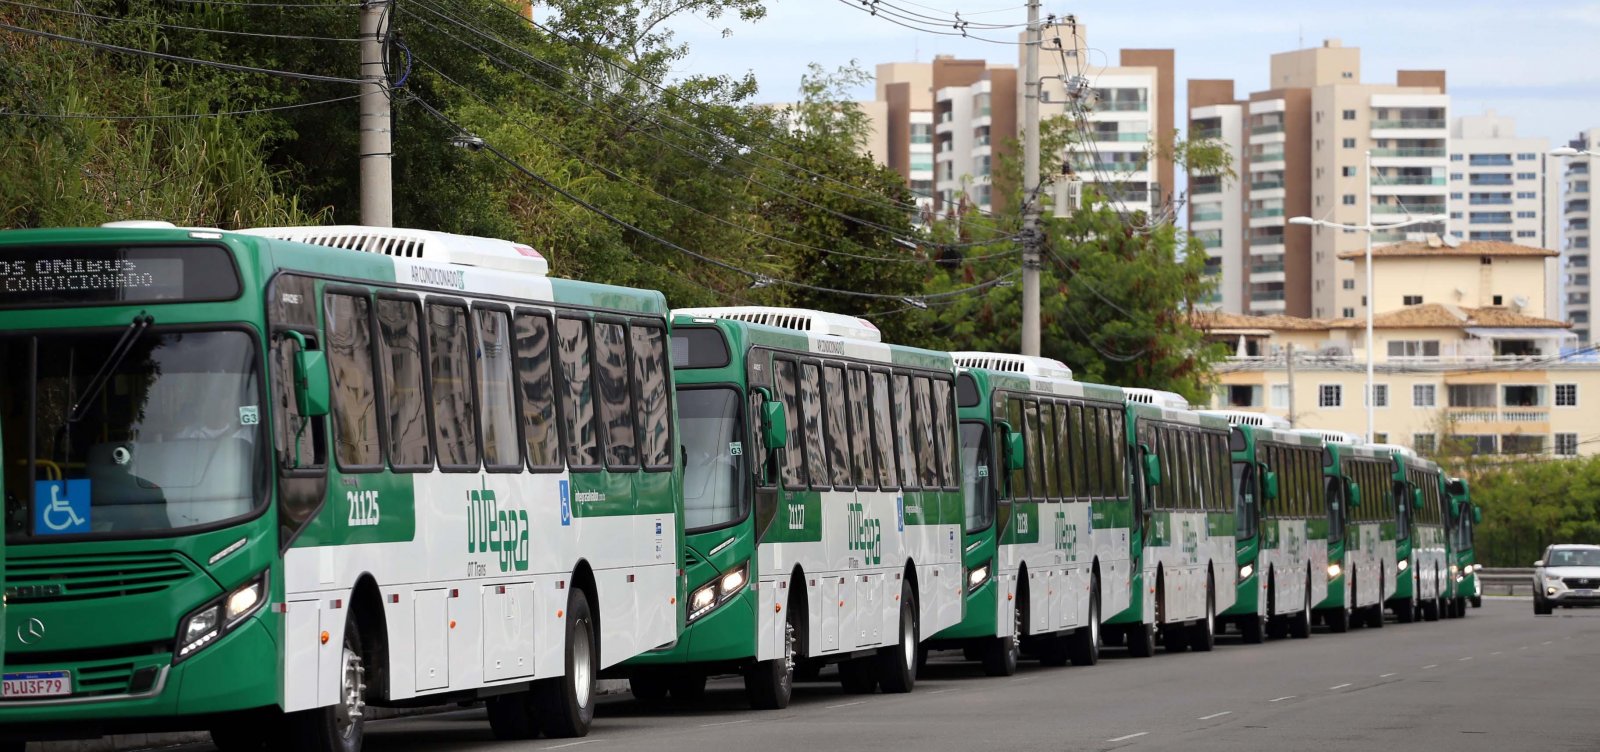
(1535, 60)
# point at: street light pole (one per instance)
(1031, 193)
(1372, 300)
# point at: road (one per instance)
(1501, 679)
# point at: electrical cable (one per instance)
(179, 58)
(179, 116)
(871, 10)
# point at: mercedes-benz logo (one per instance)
(30, 631)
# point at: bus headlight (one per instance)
(1245, 572)
(1334, 570)
(977, 576)
(217, 617)
(1402, 565)
(709, 596)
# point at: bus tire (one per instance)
(1000, 654)
(1084, 646)
(857, 676)
(649, 688)
(769, 685)
(566, 702)
(340, 727)
(1541, 607)
(1141, 640)
(1300, 624)
(1203, 633)
(1431, 609)
(1252, 629)
(897, 663)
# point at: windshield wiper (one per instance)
(97, 384)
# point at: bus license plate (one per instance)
(36, 684)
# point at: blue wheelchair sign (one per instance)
(566, 503)
(61, 507)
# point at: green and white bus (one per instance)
(1422, 552)
(1048, 526)
(1282, 530)
(1464, 520)
(1361, 531)
(1183, 536)
(822, 502)
(260, 482)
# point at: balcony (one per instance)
(1265, 128)
(1121, 136)
(1490, 178)
(1417, 209)
(1256, 213)
(1263, 297)
(1267, 156)
(1489, 201)
(1411, 151)
(1206, 215)
(1266, 185)
(1197, 189)
(1420, 123)
(1490, 160)
(1112, 105)
(1267, 240)
(1108, 166)
(1267, 267)
(1407, 180)
(1490, 415)
(1205, 133)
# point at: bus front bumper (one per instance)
(147, 693)
(725, 635)
(979, 621)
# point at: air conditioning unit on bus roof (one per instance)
(1329, 436)
(420, 245)
(1156, 397)
(1025, 364)
(1247, 418)
(797, 319)
(1403, 451)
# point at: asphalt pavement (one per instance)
(1500, 679)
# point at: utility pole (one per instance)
(377, 181)
(1289, 364)
(1032, 238)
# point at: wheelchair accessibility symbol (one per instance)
(61, 507)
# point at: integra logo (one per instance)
(455, 279)
(503, 531)
(866, 535)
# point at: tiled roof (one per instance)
(1466, 248)
(1215, 320)
(1441, 316)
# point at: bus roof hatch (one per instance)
(798, 319)
(440, 247)
(1023, 364)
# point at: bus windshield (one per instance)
(975, 475)
(1244, 495)
(171, 439)
(710, 429)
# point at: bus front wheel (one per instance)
(1000, 653)
(340, 727)
(770, 684)
(566, 702)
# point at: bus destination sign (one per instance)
(112, 275)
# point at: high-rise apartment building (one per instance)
(921, 126)
(1576, 211)
(1506, 189)
(1216, 209)
(1304, 142)
(974, 125)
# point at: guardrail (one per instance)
(1506, 581)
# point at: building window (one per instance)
(1527, 215)
(1411, 300)
(1330, 395)
(1455, 196)
(1348, 172)
(1455, 176)
(1423, 443)
(1527, 176)
(1526, 233)
(1349, 143)
(1424, 395)
(1566, 395)
(1349, 114)
(1566, 445)
(1527, 194)
(1349, 199)
(1380, 395)
(1526, 157)
(1280, 396)
(1380, 437)
(1349, 284)
(1455, 157)
(1474, 443)
(1414, 348)
(1348, 313)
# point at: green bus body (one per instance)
(1464, 518)
(1361, 505)
(407, 533)
(1423, 550)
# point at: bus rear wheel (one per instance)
(897, 664)
(566, 703)
(1203, 633)
(339, 727)
(1084, 645)
(1300, 624)
(770, 684)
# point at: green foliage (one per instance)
(1528, 506)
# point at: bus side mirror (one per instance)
(1355, 493)
(1270, 485)
(1416, 499)
(1016, 453)
(1152, 466)
(311, 385)
(774, 423)
(1477, 515)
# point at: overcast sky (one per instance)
(1536, 60)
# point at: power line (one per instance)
(157, 24)
(624, 224)
(179, 58)
(873, 8)
(179, 116)
(226, 3)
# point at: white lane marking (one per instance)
(1522, 647)
(1341, 686)
(1546, 642)
(1129, 736)
(574, 744)
(724, 723)
(846, 705)
(1495, 653)
(1214, 715)
(1468, 658)
(1431, 665)
(1385, 676)
(1286, 697)
(942, 691)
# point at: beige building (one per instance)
(1459, 348)
(1303, 143)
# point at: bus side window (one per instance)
(348, 323)
(861, 430)
(650, 374)
(400, 365)
(904, 438)
(1034, 451)
(944, 426)
(922, 420)
(883, 450)
(1109, 470)
(1050, 452)
(1119, 452)
(616, 395)
(1019, 477)
(835, 400)
(577, 394)
(497, 414)
(791, 458)
(536, 382)
(450, 349)
(811, 406)
(1079, 452)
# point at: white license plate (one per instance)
(36, 684)
(1584, 593)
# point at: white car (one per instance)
(1568, 575)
